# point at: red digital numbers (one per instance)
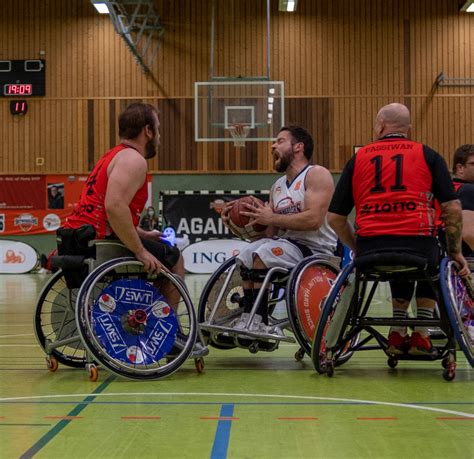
(19, 89)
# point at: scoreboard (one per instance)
(22, 78)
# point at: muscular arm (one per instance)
(127, 172)
(451, 214)
(319, 190)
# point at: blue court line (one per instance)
(222, 437)
(48, 436)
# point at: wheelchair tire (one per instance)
(318, 350)
(54, 320)
(129, 327)
(302, 313)
(458, 299)
(218, 276)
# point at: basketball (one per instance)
(240, 220)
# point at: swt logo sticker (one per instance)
(133, 296)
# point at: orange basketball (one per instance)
(240, 220)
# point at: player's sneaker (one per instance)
(421, 345)
(241, 322)
(398, 344)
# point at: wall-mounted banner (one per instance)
(206, 256)
(196, 214)
(16, 257)
(38, 204)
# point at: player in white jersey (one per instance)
(295, 215)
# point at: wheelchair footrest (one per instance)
(241, 332)
(67, 261)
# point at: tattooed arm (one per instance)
(451, 214)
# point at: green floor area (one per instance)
(265, 405)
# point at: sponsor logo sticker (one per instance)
(51, 222)
(277, 251)
(25, 222)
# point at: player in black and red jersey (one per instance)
(463, 170)
(115, 192)
(392, 183)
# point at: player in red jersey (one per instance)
(115, 192)
(463, 170)
(392, 183)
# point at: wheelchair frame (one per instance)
(56, 338)
(222, 335)
(344, 316)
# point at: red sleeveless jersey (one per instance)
(91, 206)
(392, 186)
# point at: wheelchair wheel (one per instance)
(229, 303)
(54, 322)
(130, 326)
(458, 298)
(308, 286)
(340, 297)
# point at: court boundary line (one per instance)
(227, 394)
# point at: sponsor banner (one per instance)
(39, 204)
(206, 256)
(16, 257)
(197, 215)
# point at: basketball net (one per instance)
(239, 133)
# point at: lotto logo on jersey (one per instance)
(388, 207)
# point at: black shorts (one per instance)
(165, 253)
(423, 246)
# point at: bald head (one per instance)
(392, 119)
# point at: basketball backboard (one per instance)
(255, 107)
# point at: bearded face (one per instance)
(154, 142)
(283, 153)
(282, 160)
(151, 147)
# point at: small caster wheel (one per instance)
(93, 373)
(330, 368)
(253, 348)
(51, 363)
(199, 364)
(445, 363)
(299, 354)
(392, 362)
(450, 372)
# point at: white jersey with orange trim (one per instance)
(288, 198)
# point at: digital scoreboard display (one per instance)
(22, 77)
(24, 89)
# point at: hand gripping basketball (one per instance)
(241, 225)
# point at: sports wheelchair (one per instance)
(345, 314)
(102, 308)
(302, 288)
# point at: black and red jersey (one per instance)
(392, 183)
(91, 206)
